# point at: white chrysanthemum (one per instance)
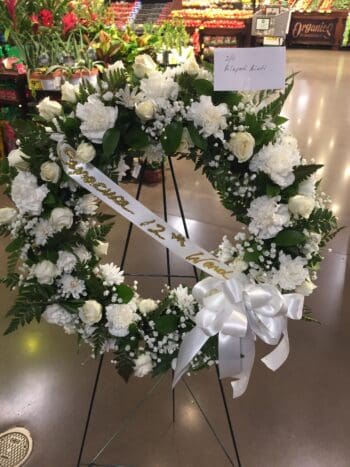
(96, 118)
(111, 274)
(66, 262)
(291, 273)
(184, 300)
(42, 231)
(119, 318)
(277, 161)
(87, 204)
(159, 88)
(210, 118)
(268, 217)
(71, 286)
(27, 195)
(56, 314)
(82, 253)
(226, 250)
(128, 97)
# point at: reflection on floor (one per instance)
(298, 417)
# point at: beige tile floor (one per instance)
(297, 417)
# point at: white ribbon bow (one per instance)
(238, 311)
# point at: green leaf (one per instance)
(110, 142)
(166, 324)
(196, 137)
(289, 237)
(304, 171)
(272, 190)
(15, 245)
(203, 87)
(125, 293)
(136, 138)
(171, 138)
(226, 97)
(279, 120)
(50, 201)
(71, 127)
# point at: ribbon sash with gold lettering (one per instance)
(93, 180)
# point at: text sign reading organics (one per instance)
(249, 69)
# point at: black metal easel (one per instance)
(168, 276)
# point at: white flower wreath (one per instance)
(58, 235)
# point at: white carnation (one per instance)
(96, 118)
(277, 161)
(291, 273)
(111, 274)
(143, 365)
(159, 88)
(87, 204)
(45, 272)
(119, 318)
(49, 109)
(66, 261)
(27, 195)
(56, 314)
(82, 253)
(268, 217)
(42, 231)
(147, 306)
(210, 118)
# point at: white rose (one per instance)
(301, 205)
(147, 305)
(101, 248)
(90, 312)
(61, 218)
(85, 152)
(49, 109)
(306, 288)
(17, 158)
(241, 145)
(69, 92)
(50, 172)
(144, 65)
(45, 272)
(145, 110)
(66, 261)
(96, 118)
(27, 195)
(7, 215)
(143, 365)
(186, 143)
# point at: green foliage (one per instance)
(171, 138)
(196, 137)
(125, 292)
(289, 237)
(110, 142)
(203, 87)
(302, 172)
(136, 138)
(167, 323)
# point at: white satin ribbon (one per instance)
(237, 312)
(94, 181)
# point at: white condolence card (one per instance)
(249, 69)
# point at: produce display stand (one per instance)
(317, 29)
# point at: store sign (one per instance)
(249, 69)
(320, 30)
